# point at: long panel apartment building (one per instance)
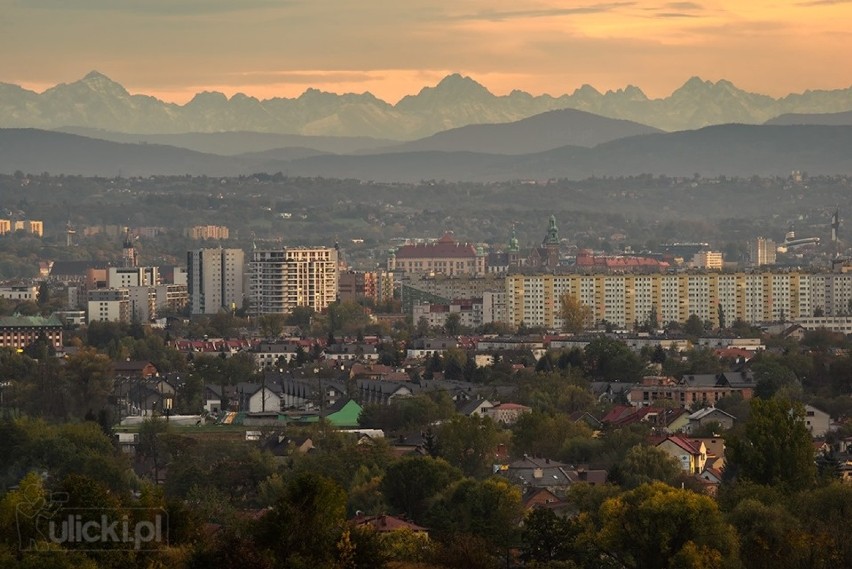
(282, 279)
(536, 299)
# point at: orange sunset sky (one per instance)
(265, 48)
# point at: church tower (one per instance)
(129, 256)
(551, 245)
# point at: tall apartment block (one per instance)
(215, 279)
(761, 251)
(282, 279)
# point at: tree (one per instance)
(410, 482)
(721, 313)
(771, 375)
(90, 379)
(656, 526)
(643, 464)
(490, 509)
(575, 315)
(770, 537)
(305, 522)
(547, 537)
(468, 443)
(612, 360)
(774, 447)
(452, 325)
(301, 316)
(271, 325)
(694, 326)
(43, 293)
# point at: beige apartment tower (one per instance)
(282, 279)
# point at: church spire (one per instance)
(552, 233)
(513, 242)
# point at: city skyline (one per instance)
(263, 48)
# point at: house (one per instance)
(817, 421)
(474, 407)
(585, 417)
(343, 414)
(538, 473)
(428, 347)
(710, 415)
(507, 413)
(128, 368)
(272, 354)
(542, 498)
(351, 352)
(266, 398)
(535, 473)
(411, 444)
(692, 388)
(691, 454)
(384, 523)
(382, 392)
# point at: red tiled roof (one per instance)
(685, 444)
(445, 247)
(385, 523)
(585, 259)
(510, 406)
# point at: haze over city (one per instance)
(265, 48)
(425, 284)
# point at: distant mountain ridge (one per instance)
(731, 150)
(97, 102)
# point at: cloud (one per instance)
(683, 6)
(823, 2)
(498, 16)
(155, 7)
(299, 77)
(675, 15)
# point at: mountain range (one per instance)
(97, 102)
(731, 150)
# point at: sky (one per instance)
(173, 49)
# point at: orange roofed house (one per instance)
(446, 256)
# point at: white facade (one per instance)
(282, 279)
(19, 292)
(124, 277)
(215, 279)
(109, 305)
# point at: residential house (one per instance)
(507, 413)
(427, 347)
(474, 407)
(710, 415)
(351, 352)
(691, 454)
(384, 523)
(265, 398)
(534, 473)
(140, 369)
(692, 388)
(538, 473)
(817, 421)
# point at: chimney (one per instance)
(538, 474)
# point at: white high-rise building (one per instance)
(282, 279)
(215, 279)
(761, 251)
